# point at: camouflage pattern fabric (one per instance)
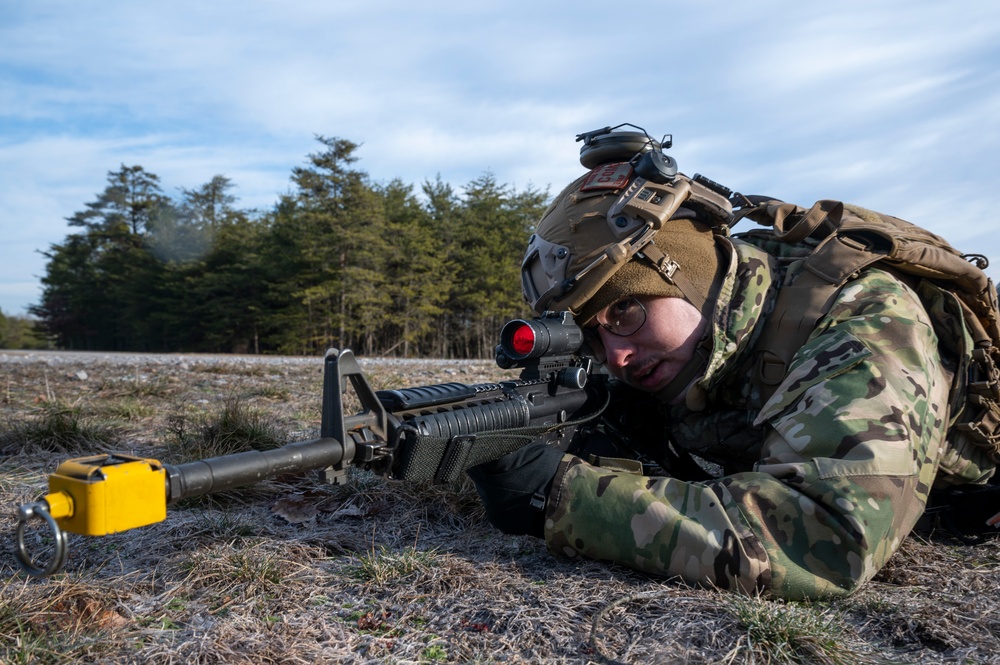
(822, 482)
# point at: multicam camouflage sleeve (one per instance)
(854, 436)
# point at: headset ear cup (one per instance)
(656, 167)
(613, 147)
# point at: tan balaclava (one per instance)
(687, 241)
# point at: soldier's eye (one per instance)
(624, 317)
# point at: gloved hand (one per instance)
(509, 485)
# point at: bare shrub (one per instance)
(55, 427)
(237, 427)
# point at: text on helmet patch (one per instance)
(608, 176)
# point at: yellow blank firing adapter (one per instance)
(95, 496)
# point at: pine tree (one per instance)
(222, 279)
(419, 277)
(493, 226)
(99, 287)
(338, 225)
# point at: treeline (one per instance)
(340, 261)
(20, 332)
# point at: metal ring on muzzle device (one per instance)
(41, 511)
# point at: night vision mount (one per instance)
(643, 152)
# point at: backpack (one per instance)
(842, 239)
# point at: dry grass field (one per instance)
(291, 571)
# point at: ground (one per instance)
(292, 570)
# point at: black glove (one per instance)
(513, 488)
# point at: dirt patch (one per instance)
(291, 570)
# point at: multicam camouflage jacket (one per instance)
(820, 483)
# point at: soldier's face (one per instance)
(652, 356)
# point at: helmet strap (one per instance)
(694, 368)
(673, 274)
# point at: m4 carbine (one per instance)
(428, 433)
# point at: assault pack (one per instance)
(846, 239)
(838, 240)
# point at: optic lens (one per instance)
(523, 340)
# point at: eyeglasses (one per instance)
(622, 318)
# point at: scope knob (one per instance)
(573, 377)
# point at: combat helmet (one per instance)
(632, 225)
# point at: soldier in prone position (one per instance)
(821, 470)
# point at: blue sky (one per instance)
(890, 104)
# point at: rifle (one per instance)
(424, 434)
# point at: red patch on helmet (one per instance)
(608, 176)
